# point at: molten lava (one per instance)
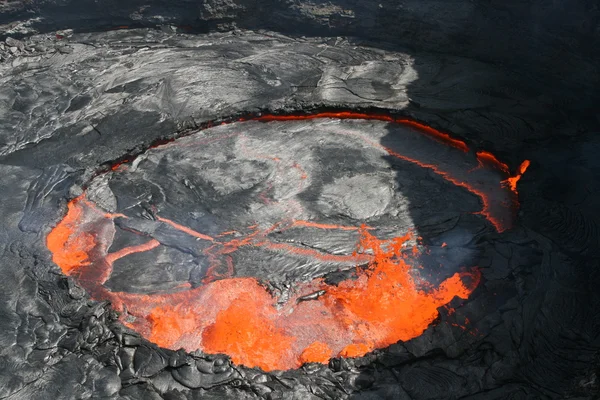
(487, 157)
(238, 316)
(513, 180)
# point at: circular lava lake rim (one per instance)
(319, 321)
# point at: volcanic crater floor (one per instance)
(182, 239)
(350, 254)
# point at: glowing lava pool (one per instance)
(226, 240)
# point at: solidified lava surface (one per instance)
(196, 242)
(87, 128)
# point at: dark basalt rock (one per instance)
(518, 80)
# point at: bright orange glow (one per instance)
(248, 332)
(442, 137)
(116, 166)
(70, 247)
(317, 352)
(238, 316)
(523, 167)
(386, 299)
(185, 229)
(489, 158)
(499, 224)
(169, 323)
(151, 244)
(513, 180)
(355, 350)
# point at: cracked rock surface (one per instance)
(82, 100)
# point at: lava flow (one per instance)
(381, 305)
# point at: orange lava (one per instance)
(70, 246)
(501, 224)
(239, 317)
(443, 137)
(185, 229)
(317, 352)
(247, 330)
(489, 158)
(116, 166)
(385, 299)
(151, 244)
(169, 323)
(355, 350)
(513, 180)
(498, 223)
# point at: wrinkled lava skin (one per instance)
(381, 305)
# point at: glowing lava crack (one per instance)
(256, 194)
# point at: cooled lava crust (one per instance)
(185, 239)
(82, 115)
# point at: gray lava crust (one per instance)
(72, 104)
